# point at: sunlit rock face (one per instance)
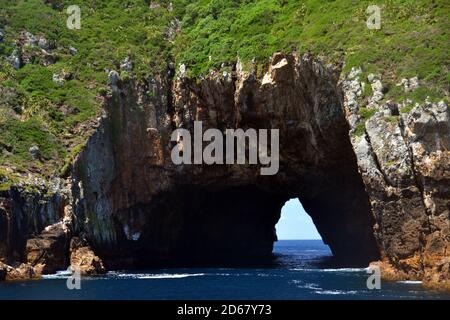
(137, 207)
(404, 160)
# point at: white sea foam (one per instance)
(264, 275)
(345, 270)
(410, 282)
(332, 270)
(58, 275)
(311, 286)
(118, 275)
(335, 292)
(171, 276)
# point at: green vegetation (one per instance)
(360, 128)
(413, 39)
(111, 30)
(407, 108)
(19, 136)
(367, 92)
(202, 34)
(5, 180)
(392, 163)
(366, 114)
(392, 119)
(70, 158)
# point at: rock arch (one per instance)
(140, 208)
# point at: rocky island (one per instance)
(91, 185)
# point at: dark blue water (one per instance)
(299, 273)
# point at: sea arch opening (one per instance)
(295, 223)
(232, 225)
(299, 243)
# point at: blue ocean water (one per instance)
(299, 272)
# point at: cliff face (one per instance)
(404, 160)
(381, 194)
(24, 213)
(138, 207)
(34, 230)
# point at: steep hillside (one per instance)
(52, 79)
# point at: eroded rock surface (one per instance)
(83, 259)
(404, 160)
(22, 272)
(49, 248)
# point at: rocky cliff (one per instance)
(404, 160)
(376, 187)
